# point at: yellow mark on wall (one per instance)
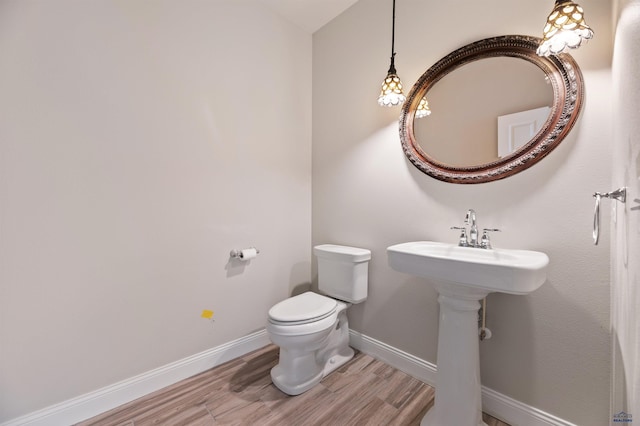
(207, 314)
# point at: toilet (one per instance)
(311, 329)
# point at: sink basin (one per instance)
(497, 270)
(462, 276)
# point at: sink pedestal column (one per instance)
(458, 390)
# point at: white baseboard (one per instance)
(107, 398)
(412, 365)
(515, 412)
(496, 404)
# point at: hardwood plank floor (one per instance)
(364, 391)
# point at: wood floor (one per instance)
(364, 391)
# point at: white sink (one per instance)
(463, 276)
(497, 270)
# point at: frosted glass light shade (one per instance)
(423, 109)
(565, 29)
(391, 93)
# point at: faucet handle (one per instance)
(462, 241)
(485, 242)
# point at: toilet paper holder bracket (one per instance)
(238, 254)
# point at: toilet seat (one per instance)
(304, 308)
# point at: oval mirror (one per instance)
(502, 110)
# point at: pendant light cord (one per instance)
(392, 68)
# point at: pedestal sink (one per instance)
(462, 277)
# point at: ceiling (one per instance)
(310, 15)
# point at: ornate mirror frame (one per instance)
(562, 73)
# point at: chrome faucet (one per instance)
(470, 219)
(472, 240)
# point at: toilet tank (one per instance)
(343, 272)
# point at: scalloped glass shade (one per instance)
(391, 93)
(565, 29)
(423, 108)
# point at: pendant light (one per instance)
(565, 29)
(423, 108)
(391, 93)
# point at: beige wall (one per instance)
(140, 142)
(550, 349)
(626, 227)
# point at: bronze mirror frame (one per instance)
(562, 73)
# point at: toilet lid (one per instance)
(304, 307)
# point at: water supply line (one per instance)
(484, 332)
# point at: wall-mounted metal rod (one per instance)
(619, 194)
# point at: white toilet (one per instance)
(311, 329)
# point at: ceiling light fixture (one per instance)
(391, 93)
(423, 108)
(565, 29)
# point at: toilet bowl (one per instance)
(310, 348)
(311, 329)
